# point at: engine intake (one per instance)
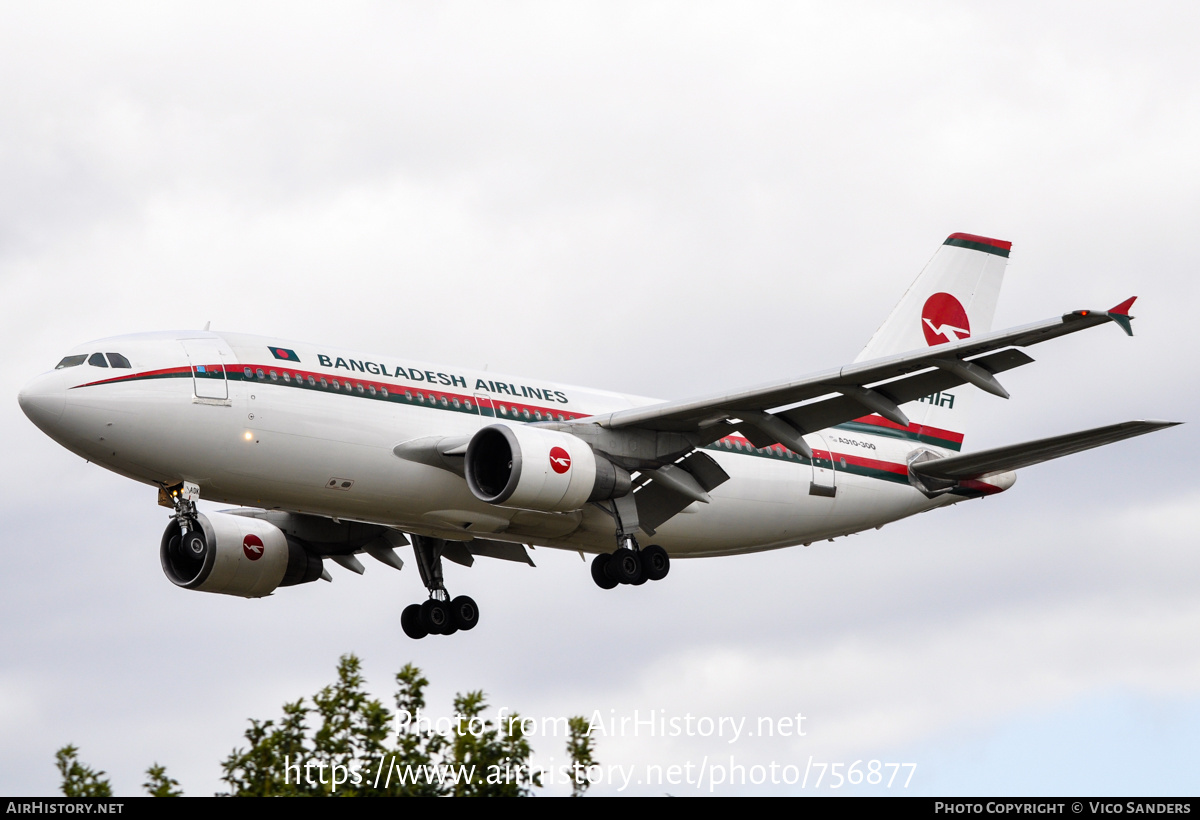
(235, 555)
(535, 469)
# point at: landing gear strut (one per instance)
(441, 614)
(629, 564)
(183, 498)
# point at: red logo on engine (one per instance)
(944, 320)
(252, 545)
(560, 460)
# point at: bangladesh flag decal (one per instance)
(284, 354)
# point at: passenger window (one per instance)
(97, 360)
(71, 361)
(117, 360)
(248, 372)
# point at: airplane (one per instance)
(330, 453)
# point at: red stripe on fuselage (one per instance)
(517, 408)
(148, 374)
(918, 429)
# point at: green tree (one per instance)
(271, 766)
(353, 733)
(496, 757)
(158, 784)
(417, 746)
(79, 780)
(343, 745)
(581, 750)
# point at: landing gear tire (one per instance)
(600, 572)
(410, 622)
(435, 618)
(655, 562)
(464, 613)
(625, 567)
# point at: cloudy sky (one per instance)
(657, 198)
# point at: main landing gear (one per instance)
(441, 614)
(630, 565)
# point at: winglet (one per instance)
(1120, 315)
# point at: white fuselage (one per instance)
(268, 432)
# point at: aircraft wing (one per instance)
(1016, 456)
(876, 386)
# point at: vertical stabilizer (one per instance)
(953, 298)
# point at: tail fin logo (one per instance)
(944, 320)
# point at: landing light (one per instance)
(248, 435)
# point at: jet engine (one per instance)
(235, 555)
(536, 469)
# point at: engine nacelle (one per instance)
(235, 555)
(536, 469)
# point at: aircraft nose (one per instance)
(42, 400)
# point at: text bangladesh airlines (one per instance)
(332, 454)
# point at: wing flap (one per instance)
(500, 550)
(826, 413)
(1016, 456)
(658, 501)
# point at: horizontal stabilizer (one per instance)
(1016, 456)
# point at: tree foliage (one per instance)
(345, 743)
(582, 752)
(79, 780)
(158, 784)
(357, 747)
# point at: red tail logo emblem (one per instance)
(252, 545)
(560, 460)
(944, 320)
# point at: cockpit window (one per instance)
(71, 361)
(97, 360)
(117, 360)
